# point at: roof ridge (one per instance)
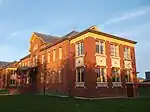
(45, 34)
(69, 34)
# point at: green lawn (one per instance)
(39, 103)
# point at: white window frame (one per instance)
(42, 58)
(54, 55)
(12, 78)
(115, 75)
(117, 83)
(100, 76)
(80, 83)
(127, 53)
(48, 58)
(80, 48)
(80, 70)
(99, 44)
(114, 49)
(60, 53)
(128, 77)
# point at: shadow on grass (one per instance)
(41, 103)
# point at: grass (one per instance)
(39, 103)
(144, 91)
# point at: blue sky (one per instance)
(127, 18)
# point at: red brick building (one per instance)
(90, 63)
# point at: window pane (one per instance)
(101, 48)
(54, 54)
(48, 58)
(116, 50)
(78, 75)
(97, 47)
(82, 75)
(60, 53)
(112, 50)
(82, 48)
(103, 74)
(98, 72)
(78, 46)
(128, 75)
(125, 52)
(102, 71)
(42, 59)
(115, 75)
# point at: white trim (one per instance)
(102, 55)
(129, 82)
(118, 57)
(102, 84)
(54, 55)
(80, 56)
(80, 85)
(117, 84)
(48, 57)
(99, 43)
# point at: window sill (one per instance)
(129, 82)
(98, 54)
(127, 59)
(80, 56)
(80, 84)
(117, 84)
(115, 57)
(12, 85)
(102, 84)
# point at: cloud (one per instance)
(14, 34)
(137, 31)
(128, 16)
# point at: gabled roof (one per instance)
(92, 29)
(11, 64)
(72, 33)
(65, 37)
(47, 38)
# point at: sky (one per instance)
(127, 18)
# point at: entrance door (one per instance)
(130, 90)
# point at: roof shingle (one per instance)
(47, 38)
(3, 63)
(72, 33)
